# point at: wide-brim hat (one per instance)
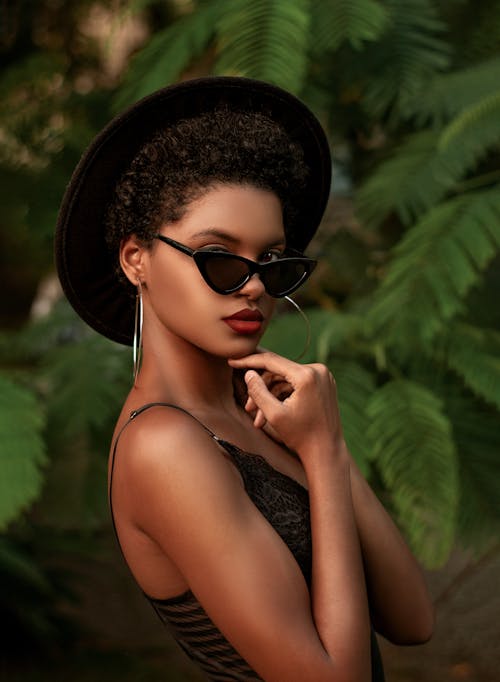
(85, 266)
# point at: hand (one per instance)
(307, 412)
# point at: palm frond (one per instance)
(482, 32)
(265, 39)
(169, 53)
(414, 452)
(436, 264)
(477, 438)
(478, 125)
(342, 21)
(424, 169)
(88, 381)
(447, 95)
(338, 331)
(355, 385)
(408, 183)
(474, 354)
(22, 450)
(412, 51)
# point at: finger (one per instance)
(267, 361)
(257, 390)
(259, 420)
(250, 405)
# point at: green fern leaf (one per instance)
(414, 452)
(410, 52)
(423, 170)
(88, 382)
(338, 332)
(436, 264)
(477, 437)
(265, 39)
(22, 450)
(408, 183)
(169, 53)
(474, 354)
(344, 21)
(478, 125)
(447, 95)
(355, 385)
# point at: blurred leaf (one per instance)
(29, 599)
(410, 52)
(287, 333)
(477, 435)
(435, 265)
(265, 39)
(414, 451)
(169, 52)
(351, 21)
(338, 331)
(448, 95)
(88, 383)
(474, 354)
(355, 386)
(22, 449)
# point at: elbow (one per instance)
(415, 628)
(425, 625)
(425, 629)
(414, 638)
(419, 631)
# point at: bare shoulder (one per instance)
(166, 452)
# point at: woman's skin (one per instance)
(182, 515)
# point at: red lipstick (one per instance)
(245, 321)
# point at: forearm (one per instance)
(339, 599)
(400, 603)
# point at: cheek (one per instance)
(178, 291)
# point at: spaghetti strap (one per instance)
(133, 415)
(145, 407)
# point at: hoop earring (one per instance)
(308, 327)
(138, 320)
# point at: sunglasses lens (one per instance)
(281, 277)
(224, 272)
(227, 273)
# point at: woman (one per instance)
(278, 565)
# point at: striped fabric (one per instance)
(201, 640)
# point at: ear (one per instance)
(132, 259)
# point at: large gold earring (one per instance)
(138, 320)
(308, 327)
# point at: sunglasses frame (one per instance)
(200, 257)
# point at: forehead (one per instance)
(242, 213)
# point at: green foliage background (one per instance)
(404, 306)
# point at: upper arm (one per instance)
(238, 567)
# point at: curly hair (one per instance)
(182, 162)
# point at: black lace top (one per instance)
(285, 504)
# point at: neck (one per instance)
(173, 370)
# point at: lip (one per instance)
(246, 315)
(245, 321)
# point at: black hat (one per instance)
(85, 266)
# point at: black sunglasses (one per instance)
(225, 272)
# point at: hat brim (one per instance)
(85, 266)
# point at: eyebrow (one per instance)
(225, 236)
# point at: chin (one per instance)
(241, 350)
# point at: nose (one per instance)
(254, 288)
